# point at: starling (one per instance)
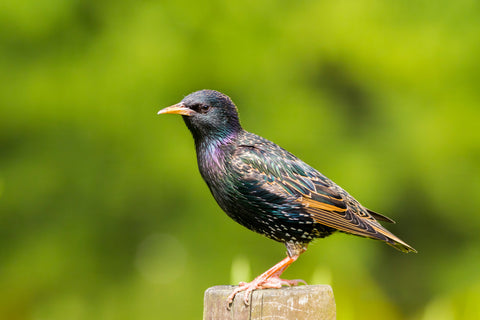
(268, 190)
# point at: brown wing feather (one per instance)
(349, 221)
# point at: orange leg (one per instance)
(268, 279)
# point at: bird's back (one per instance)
(269, 190)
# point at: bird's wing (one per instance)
(322, 199)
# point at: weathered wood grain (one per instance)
(300, 302)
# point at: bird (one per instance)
(268, 190)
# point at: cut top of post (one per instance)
(300, 302)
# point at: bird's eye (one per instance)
(200, 108)
(204, 108)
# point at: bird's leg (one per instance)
(271, 277)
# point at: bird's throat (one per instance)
(213, 154)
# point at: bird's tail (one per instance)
(400, 245)
(393, 240)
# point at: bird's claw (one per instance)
(273, 282)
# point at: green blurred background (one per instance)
(103, 214)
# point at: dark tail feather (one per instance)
(391, 239)
(379, 216)
(402, 246)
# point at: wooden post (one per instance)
(300, 302)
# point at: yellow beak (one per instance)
(178, 108)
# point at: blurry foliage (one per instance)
(103, 214)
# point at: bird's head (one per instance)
(207, 113)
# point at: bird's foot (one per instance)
(268, 279)
(261, 283)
